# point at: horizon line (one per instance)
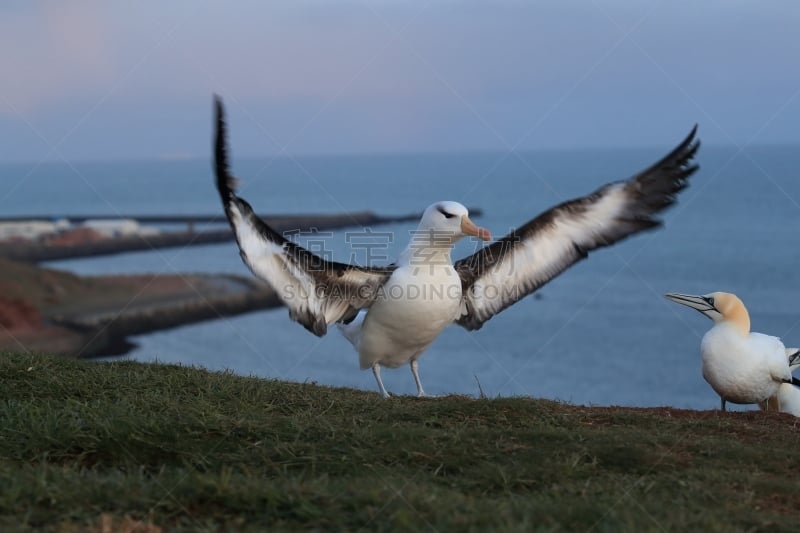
(180, 157)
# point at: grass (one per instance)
(127, 446)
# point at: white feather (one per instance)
(743, 370)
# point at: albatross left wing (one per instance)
(317, 292)
(504, 272)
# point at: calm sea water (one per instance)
(601, 333)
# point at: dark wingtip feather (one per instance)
(657, 187)
(226, 183)
(693, 132)
(682, 155)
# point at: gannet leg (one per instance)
(376, 370)
(415, 372)
(723, 403)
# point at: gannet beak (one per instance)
(702, 304)
(469, 228)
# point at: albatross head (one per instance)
(718, 306)
(447, 222)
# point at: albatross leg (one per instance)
(376, 370)
(415, 372)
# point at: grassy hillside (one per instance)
(88, 445)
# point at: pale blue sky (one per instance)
(112, 79)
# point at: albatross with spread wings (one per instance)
(391, 314)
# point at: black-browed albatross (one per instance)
(391, 314)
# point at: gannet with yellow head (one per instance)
(743, 367)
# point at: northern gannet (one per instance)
(741, 366)
(391, 314)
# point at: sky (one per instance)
(87, 80)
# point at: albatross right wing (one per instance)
(504, 272)
(317, 292)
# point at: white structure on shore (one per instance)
(123, 227)
(31, 229)
(37, 229)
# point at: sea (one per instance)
(601, 333)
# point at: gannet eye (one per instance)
(710, 301)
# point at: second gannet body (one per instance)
(743, 367)
(787, 399)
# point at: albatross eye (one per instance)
(445, 213)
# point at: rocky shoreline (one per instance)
(45, 310)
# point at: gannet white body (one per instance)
(391, 314)
(741, 366)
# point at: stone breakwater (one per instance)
(94, 316)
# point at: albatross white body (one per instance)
(391, 314)
(385, 338)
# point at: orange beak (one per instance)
(469, 228)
